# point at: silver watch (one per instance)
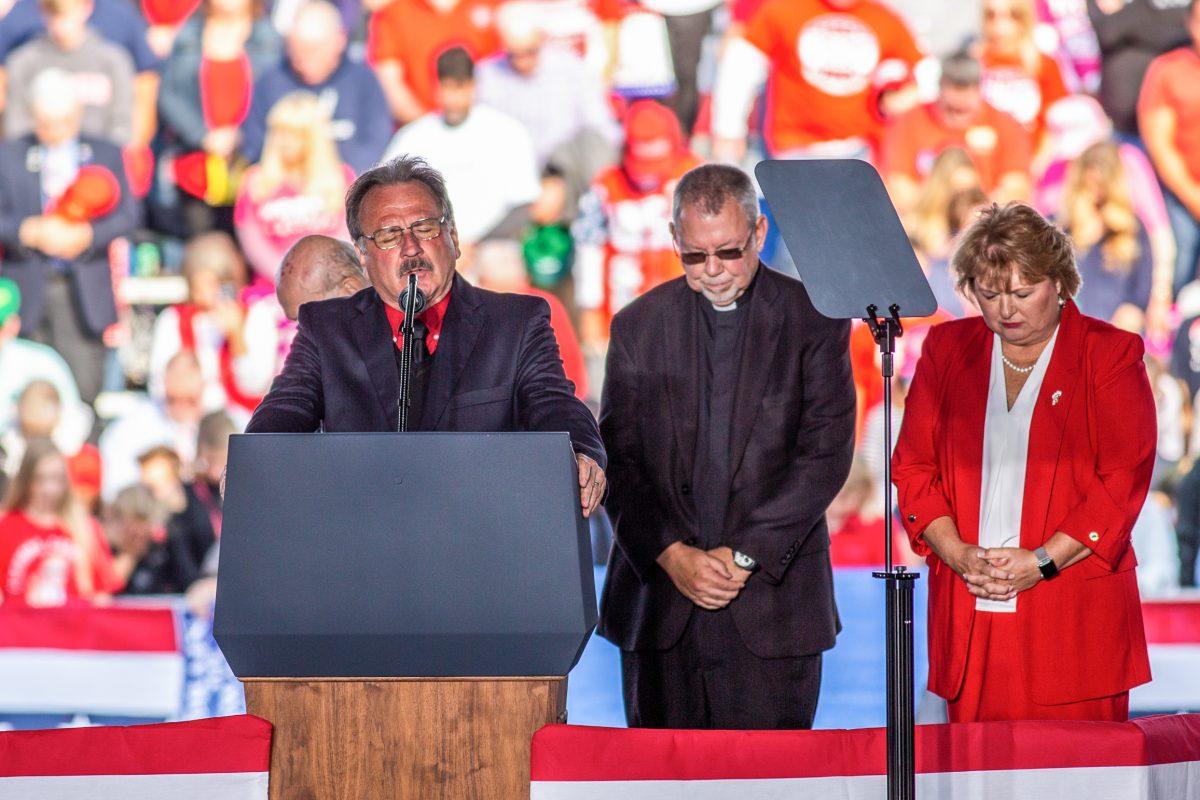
(744, 561)
(1045, 564)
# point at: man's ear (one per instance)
(760, 231)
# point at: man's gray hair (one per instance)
(343, 262)
(332, 259)
(961, 69)
(710, 186)
(401, 169)
(319, 17)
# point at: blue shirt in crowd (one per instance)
(1104, 291)
(362, 122)
(115, 20)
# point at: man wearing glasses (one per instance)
(484, 361)
(728, 420)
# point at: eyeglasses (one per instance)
(693, 259)
(422, 230)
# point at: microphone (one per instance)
(414, 295)
(412, 302)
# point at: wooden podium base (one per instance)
(376, 738)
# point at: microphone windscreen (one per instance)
(418, 300)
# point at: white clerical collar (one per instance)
(731, 307)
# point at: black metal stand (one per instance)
(901, 766)
(412, 302)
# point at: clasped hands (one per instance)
(55, 237)
(995, 573)
(708, 578)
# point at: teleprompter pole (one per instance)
(901, 764)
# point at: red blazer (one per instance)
(1090, 457)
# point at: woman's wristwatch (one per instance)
(1045, 563)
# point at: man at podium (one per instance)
(484, 361)
(728, 415)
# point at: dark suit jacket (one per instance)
(791, 445)
(497, 368)
(21, 197)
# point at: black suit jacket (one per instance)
(791, 445)
(21, 197)
(497, 368)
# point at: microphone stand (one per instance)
(412, 302)
(901, 766)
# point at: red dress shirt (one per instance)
(433, 317)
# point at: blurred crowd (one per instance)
(160, 158)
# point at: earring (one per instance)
(1061, 302)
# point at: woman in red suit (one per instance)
(1022, 463)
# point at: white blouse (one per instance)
(1005, 454)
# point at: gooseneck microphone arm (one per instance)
(412, 302)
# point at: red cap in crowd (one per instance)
(168, 12)
(94, 193)
(653, 144)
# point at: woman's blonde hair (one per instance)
(1027, 49)
(1113, 209)
(71, 514)
(929, 224)
(323, 174)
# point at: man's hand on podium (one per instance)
(592, 484)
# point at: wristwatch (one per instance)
(1045, 563)
(744, 561)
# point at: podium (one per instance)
(403, 608)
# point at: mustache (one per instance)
(414, 264)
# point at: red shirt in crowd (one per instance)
(638, 252)
(828, 64)
(996, 143)
(859, 543)
(414, 33)
(609, 10)
(1009, 86)
(1173, 80)
(568, 342)
(225, 88)
(743, 10)
(37, 564)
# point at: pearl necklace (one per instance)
(1015, 368)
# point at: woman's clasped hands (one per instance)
(997, 573)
